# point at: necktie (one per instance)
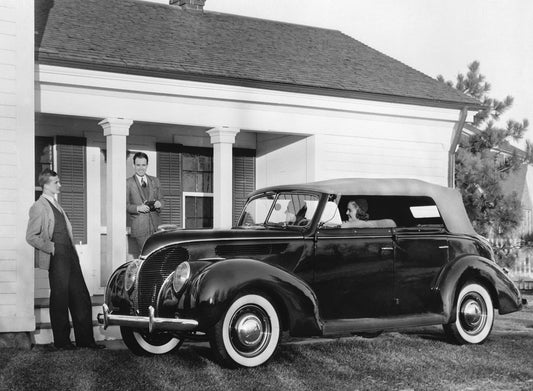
(143, 183)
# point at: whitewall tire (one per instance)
(145, 344)
(474, 313)
(248, 334)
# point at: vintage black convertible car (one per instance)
(293, 265)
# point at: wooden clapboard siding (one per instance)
(72, 171)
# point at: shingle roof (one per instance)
(131, 36)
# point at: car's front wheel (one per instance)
(145, 344)
(248, 333)
(474, 314)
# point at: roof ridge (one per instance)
(282, 22)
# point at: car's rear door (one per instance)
(420, 254)
(353, 272)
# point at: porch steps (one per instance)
(43, 330)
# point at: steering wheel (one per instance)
(303, 222)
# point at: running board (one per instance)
(346, 326)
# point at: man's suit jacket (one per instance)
(140, 222)
(40, 231)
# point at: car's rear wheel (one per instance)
(474, 314)
(143, 343)
(248, 333)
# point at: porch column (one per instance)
(222, 139)
(116, 130)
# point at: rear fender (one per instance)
(504, 294)
(214, 289)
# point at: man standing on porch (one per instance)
(50, 232)
(144, 201)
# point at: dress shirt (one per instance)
(141, 179)
(54, 202)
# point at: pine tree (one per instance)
(483, 162)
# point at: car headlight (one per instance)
(131, 275)
(181, 275)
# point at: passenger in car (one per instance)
(358, 217)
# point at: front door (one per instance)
(353, 275)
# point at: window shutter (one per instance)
(72, 171)
(169, 174)
(243, 179)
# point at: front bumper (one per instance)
(145, 322)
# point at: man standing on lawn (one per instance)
(50, 232)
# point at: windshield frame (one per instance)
(276, 194)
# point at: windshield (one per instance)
(280, 209)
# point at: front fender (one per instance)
(504, 293)
(116, 297)
(216, 287)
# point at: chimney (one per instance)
(193, 5)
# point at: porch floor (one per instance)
(44, 302)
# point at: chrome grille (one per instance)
(153, 273)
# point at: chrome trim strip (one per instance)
(145, 322)
(355, 237)
(220, 240)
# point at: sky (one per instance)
(432, 36)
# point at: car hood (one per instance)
(183, 236)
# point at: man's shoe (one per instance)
(68, 346)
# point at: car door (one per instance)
(419, 256)
(353, 272)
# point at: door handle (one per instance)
(384, 250)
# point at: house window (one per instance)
(197, 174)
(197, 181)
(186, 176)
(198, 210)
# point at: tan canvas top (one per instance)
(448, 201)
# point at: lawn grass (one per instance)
(418, 359)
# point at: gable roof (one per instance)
(131, 36)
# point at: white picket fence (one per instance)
(522, 271)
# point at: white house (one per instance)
(222, 104)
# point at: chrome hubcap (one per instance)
(473, 313)
(250, 330)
